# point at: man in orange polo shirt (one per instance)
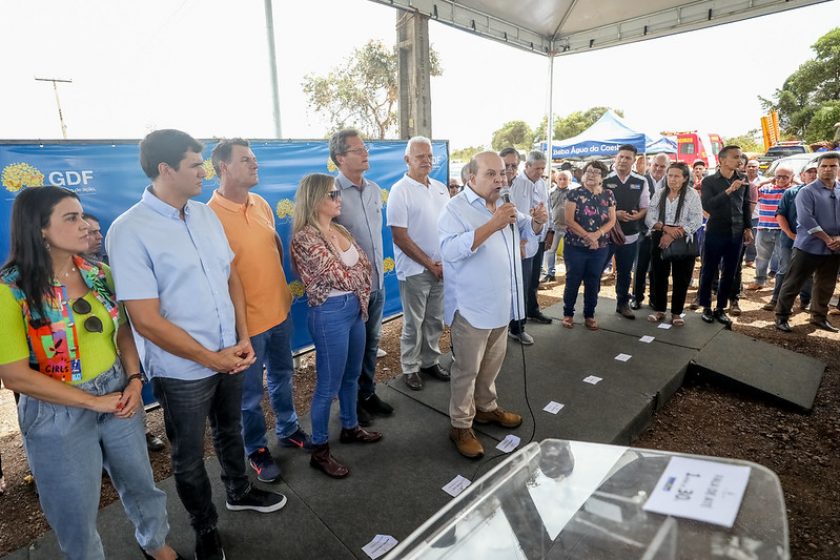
(249, 225)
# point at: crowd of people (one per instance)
(214, 335)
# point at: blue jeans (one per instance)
(719, 247)
(750, 252)
(187, 405)
(582, 265)
(551, 253)
(373, 328)
(67, 447)
(767, 243)
(517, 326)
(272, 348)
(338, 333)
(625, 257)
(785, 254)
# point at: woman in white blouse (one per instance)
(675, 212)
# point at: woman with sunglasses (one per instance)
(336, 276)
(67, 348)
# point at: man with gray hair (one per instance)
(361, 214)
(414, 206)
(528, 192)
(557, 223)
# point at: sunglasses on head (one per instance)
(92, 324)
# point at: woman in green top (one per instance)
(68, 350)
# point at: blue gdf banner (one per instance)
(107, 177)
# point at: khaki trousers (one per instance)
(480, 353)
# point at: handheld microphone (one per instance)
(505, 194)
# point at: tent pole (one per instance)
(550, 122)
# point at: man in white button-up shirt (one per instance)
(529, 192)
(414, 207)
(481, 262)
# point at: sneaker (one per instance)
(257, 500)
(208, 546)
(263, 464)
(624, 311)
(522, 338)
(500, 416)
(376, 406)
(299, 439)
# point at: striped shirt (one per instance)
(769, 197)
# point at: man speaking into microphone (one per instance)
(479, 241)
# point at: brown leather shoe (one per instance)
(466, 442)
(500, 416)
(323, 461)
(358, 435)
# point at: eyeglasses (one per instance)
(334, 195)
(92, 324)
(363, 149)
(592, 171)
(511, 166)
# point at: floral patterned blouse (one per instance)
(592, 211)
(321, 269)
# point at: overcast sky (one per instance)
(201, 65)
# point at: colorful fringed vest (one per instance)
(51, 334)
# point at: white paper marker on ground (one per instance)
(379, 546)
(456, 485)
(553, 407)
(508, 444)
(647, 339)
(665, 326)
(623, 357)
(591, 379)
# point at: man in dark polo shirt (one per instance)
(726, 198)
(631, 202)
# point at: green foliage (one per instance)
(465, 154)
(822, 124)
(750, 141)
(513, 133)
(363, 91)
(811, 92)
(573, 123)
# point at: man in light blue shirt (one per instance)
(361, 214)
(481, 263)
(171, 264)
(816, 249)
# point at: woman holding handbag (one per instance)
(674, 215)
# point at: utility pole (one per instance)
(415, 107)
(57, 100)
(272, 61)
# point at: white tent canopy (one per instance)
(558, 27)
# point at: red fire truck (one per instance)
(693, 145)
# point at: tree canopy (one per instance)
(808, 102)
(363, 91)
(513, 133)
